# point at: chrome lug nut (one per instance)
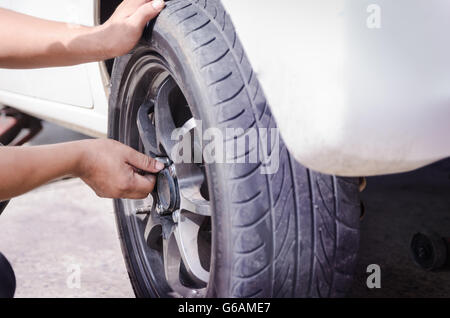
(151, 116)
(159, 209)
(164, 160)
(172, 170)
(144, 210)
(176, 216)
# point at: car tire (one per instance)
(292, 233)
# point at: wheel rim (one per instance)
(172, 226)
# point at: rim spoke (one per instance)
(191, 200)
(164, 122)
(187, 127)
(192, 149)
(189, 174)
(186, 234)
(183, 237)
(158, 82)
(172, 262)
(190, 181)
(153, 230)
(147, 131)
(172, 266)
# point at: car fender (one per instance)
(356, 88)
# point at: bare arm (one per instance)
(29, 42)
(107, 166)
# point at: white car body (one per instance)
(357, 87)
(77, 96)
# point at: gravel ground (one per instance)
(56, 230)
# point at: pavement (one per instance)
(62, 240)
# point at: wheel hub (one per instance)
(167, 191)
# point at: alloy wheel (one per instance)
(175, 221)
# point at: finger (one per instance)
(144, 162)
(146, 12)
(142, 186)
(132, 5)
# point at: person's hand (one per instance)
(37, 43)
(124, 29)
(111, 169)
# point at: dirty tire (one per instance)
(294, 233)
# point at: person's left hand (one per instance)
(124, 29)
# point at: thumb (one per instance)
(147, 11)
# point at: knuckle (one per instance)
(121, 188)
(146, 161)
(153, 163)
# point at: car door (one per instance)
(67, 85)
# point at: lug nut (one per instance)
(176, 216)
(164, 160)
(159, 208)
(144, 210)
(151, 116)
(172, 170)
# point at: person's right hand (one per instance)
(37, 43)
(124, 28)
(111, 169)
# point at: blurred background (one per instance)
(62, 227)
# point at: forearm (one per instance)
(25, 168)
(28, 42)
